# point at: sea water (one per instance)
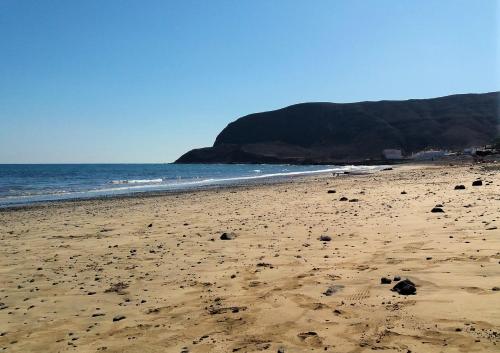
(22, 184)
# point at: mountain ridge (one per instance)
(324, 132)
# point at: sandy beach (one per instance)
(152, 274)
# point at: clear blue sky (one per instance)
(145, 81)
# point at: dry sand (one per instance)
(93, 276)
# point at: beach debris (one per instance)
(332, 290)
(437, 210)
(385, 280)
(325, 237)
(265, 264)
(460, 187)
(304, 335)
(331, 191)
(117, 288)
(232, 309)
(343, 198)
(477, 183)
(118, 318)
(405, 287)
(227, 236)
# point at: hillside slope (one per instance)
(354, 132)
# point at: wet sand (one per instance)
(151, 274)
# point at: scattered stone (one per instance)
(385, 280)
(343, 198)
(117, 288)
(332, 191)
(495, 289)
(150, 225)
(304, 335)
(437, 210)
(325, 237)
(477, 183)
(405, 287)
(233, 309)
(403, 192)
(460, 187)
(397, 278)
(227, 236)
(118, 318)
(332, 290)
(353, 200)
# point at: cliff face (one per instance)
(354, 132)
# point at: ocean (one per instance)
(22, 184)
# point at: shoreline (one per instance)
(251, 182)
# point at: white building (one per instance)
(428, 155)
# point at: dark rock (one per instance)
(332, 191)
(118, 318)
(227, 236)
(353, 200)
(437, 210)
(385, 280)
(304, 335)
(332, 290)
(397, 278)
(150, 225)
(405, 287)
(495, 289)
(460, 187)
(343, 198)
(403, 192)
(477, 183)
(325, 238)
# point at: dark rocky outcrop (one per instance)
(353, 132)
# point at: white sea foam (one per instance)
(138, 181)
(142, 185)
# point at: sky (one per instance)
(119, 81)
